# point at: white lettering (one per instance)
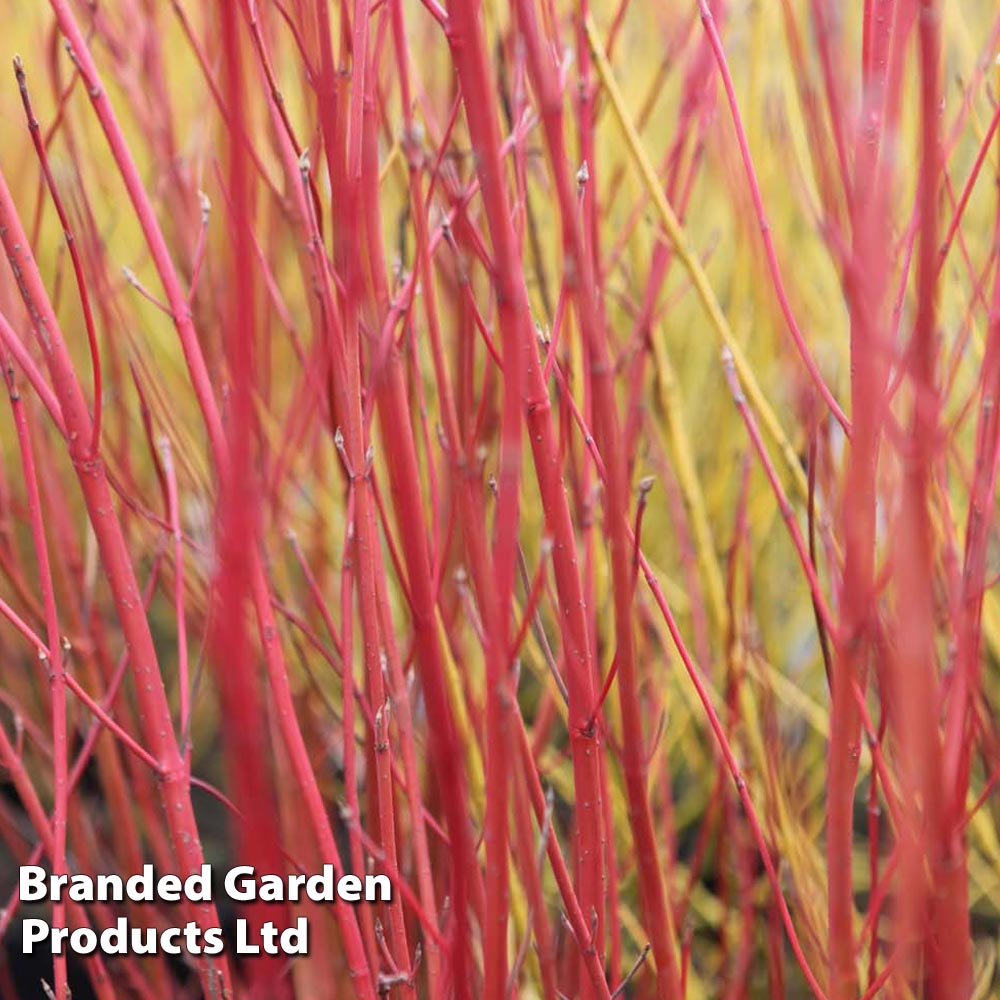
(240, 885)
(32, 931)
(31, 886)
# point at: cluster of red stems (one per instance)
(417, 458)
